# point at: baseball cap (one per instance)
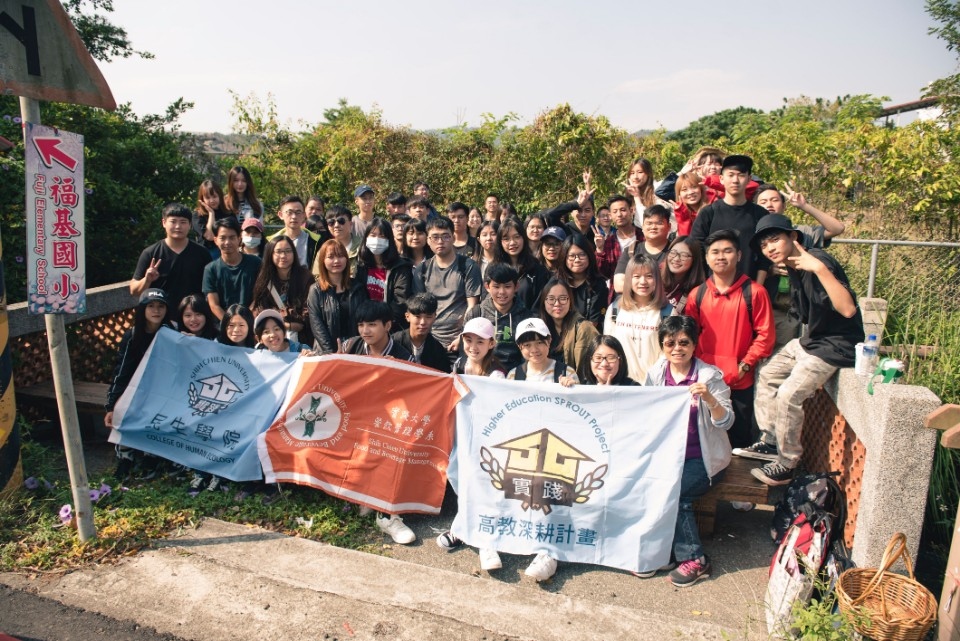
(361, 190)
(268, 313)
(479, 326)
(252, 222)
(555, 232)
(534, 325)
(772, 223)
(153, 294)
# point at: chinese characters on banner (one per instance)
(56, 270)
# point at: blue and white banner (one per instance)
(202, 404)
(590, 474)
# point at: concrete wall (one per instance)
(896, 473)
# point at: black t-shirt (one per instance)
(740, 218)
(467, 250)
(180, 274)
(640, 248)
(830, 336)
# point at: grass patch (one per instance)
(128, 519)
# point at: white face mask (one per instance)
(377, 245)
(251, 241)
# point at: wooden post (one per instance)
(63, 384)
(947, 418)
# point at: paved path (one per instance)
(231, 582)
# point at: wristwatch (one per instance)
(745, 366)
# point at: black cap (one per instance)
(153, 294)
(739, 162)
(772, 222)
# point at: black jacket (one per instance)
(433, 355)
(324, 311)
(590, 299)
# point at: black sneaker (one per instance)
(124, 467)
(760, 451)
(773, 474)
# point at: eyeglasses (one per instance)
(679, 255)
(293, 212)
(341, 221)
(282, 252)
(443, 238)
(576, 257)
(553, 300)
(609, 359)
(683, 342)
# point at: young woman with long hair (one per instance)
(691, 196)
(605, 363)
(241, 195)
(512, 250)
(578, 268)
(195, 318)
(383, 273)
(570, 332)
(634, 318)
(283, 284)
(683, 270)
(210, 208)
(236, 327)
(332, 299)
(415, 248)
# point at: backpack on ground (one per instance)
(808, 526)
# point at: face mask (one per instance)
(251, 241)
(377, 245)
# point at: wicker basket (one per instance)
(886, 606)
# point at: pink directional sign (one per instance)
(56, 270)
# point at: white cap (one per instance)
(268, 313)
(534, 325)
(479, 326)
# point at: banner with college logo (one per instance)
(374, 431)
(202, 404)
(590, 474)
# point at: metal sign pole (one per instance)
(63, 384)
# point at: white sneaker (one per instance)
(542, 567)
(397, 529)
(489, 560)
(742, 506)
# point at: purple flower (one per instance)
(19, 259)
(94, 495)
(17, 119)
(105, 490)
(47, 484)
(31, 483)
(5, 167)
(66, 513)
(89, 190)
(7, 117)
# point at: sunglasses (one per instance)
(337, 221)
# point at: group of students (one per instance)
(698, 291)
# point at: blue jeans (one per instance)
(693, 484)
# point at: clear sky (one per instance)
(435, 64)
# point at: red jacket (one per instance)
(715, 189)
(685, 219)
(727, 336)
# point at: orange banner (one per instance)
(373, 431)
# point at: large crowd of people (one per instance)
(698, 281)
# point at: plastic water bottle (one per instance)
(871, 354)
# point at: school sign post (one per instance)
(45, 59)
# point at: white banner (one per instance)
(589, 474)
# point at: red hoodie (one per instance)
(727, 336)
(715, 190)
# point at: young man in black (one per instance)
(230, 278)
(737, 213)
(174, 264)
(374, 319)
(425, 349)
(828, 308)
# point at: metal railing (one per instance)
(875, 252)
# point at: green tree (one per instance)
(947, 13)
(104, 40)
(710, 130)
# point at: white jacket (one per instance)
(714, 443)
